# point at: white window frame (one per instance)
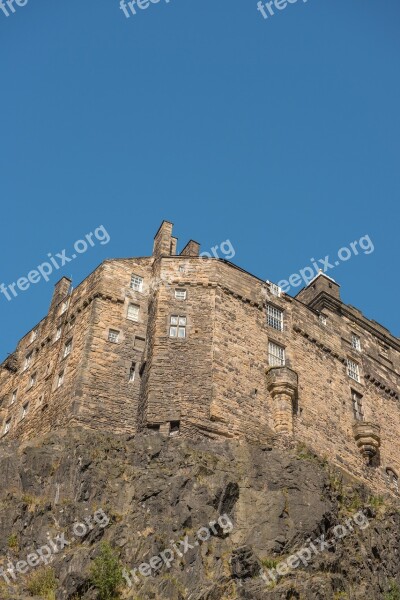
(60, 380)
(58, 334)
(180, 294)
(178, 326)
(358, 408)
(353, 370)
(136, 282)
(275, 289)
(28, 360)
(7, 426)
(113, 336)
(356, 342)
(274, 317)
(67, 348)
(276, 355)
(134, 309)
(24, 411)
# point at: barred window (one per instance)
(133, 312)
(392, 479)
(355, 342)
(358, 410)
(177, 326)
(353, 370)
(274, 317)
(136, 282)
(276, 355)
(180, 294)
(113, 336)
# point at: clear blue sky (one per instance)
(281, 135)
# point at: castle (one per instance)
(188, 345)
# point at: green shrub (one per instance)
(12, 542)
(106, 573)
(43, 583)
(393, 593)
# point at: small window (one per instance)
(33, 379)
(25, 409)
(384, 351)
(275, 289)
(355, 342)
(64, 307)
(180, 294)
(67, 348)
(274, 317)
(7, 426)
(181, 269)
(71, 323)
(60, 379)
(113, 336)
(133, 312)
(14, 396)
(323, 319)
(34, 335)
(276, 355)
(177, 326)
(136, 283)
(358, 410)
(132, 373)
(58, 334)
(392, 480)
(174, 428)
(28, 360)
(353, 370)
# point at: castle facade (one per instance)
(188, 345)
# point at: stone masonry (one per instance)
(191, 345)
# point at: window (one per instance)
(60, 380)
(353, 370)
(392, 479)
(133, 312)
(355, 342)
(24, 410)
(7, 426)
(64, 307)
(275, 289)
(132, 373)
(14, 396)
(137, 283)
(177, 326)
(274, 317)
(34, 335)
(113, 336)
(358, 410)
(181, 269)
(28, 360)
(180, 294)
(384, 351)
(33, 380)
(174, 428)
(276, 355)
(71, 323)
(67, 348)
(58, 334)
(323, 319)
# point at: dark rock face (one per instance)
(195, 520)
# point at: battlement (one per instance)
(189, 345)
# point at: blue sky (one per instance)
(281, 135)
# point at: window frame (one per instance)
(67, 348)
(275, 317)
(278, 359)
(353, 371)
(136, 306)
(356, 342)
(178, 326)
(183, 292)
(357, 406)
(110, 336)
(139, 284)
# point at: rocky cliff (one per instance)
(188, 519)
